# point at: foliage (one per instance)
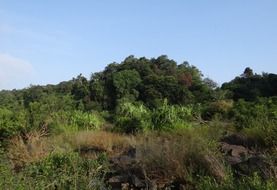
(58, 171)
(181, 154)
(85, 120)
(132, 118)
(219, 108)
(75, 120)
(246, 183)
(257, 119)
(149, 81)
(64, 171)
(11, 123)
(251, 114)
(250, 86)
(169, 117)
(125, 83)
(161, 102)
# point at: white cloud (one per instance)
(14, 72)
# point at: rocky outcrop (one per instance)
(128, 174)
(238, 139)
(243, 159)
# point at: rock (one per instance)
(234, 150)
(182, 187)
(116, 181)
(138, 171)
(237, 139)
(152, 185)
(244, 161)
(137, 182)
(233, 160)
(131, 152)
(125, 186)
(122, 163)
(129, 173)
(161, 185)
(126, 160)
(253, 164)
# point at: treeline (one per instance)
(135, 93)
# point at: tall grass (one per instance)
(57, 171)
(254, 182)
(181, 155)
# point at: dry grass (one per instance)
(30, 148)
(111, 143)
(179, 155)
(164, 156)
(37, 145)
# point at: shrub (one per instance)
(220, 108)
(264, 133)
(86, 120)
(168, 117)
(63, 121)
(132, 118)
(11, 123)
(63, 171)
(257, 120)
(251, 114)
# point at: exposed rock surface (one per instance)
(127, 173)
(244, 160)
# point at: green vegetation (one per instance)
(66, 136)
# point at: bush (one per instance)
(220, 108)
(264, 133)
(132, 118)
(86, 120)
(168, 117)
(11, 123)
(257, 120)
(251, 114)
(63, 121)
(58, 171)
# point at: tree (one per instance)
(80, 87)
(125, 83)
(249, 87)
(212, 84)
(80, 91)
(248, 72)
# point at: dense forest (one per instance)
(141, 124)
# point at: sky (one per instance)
(46, 42)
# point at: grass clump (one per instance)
(180, 155)
(245, 183)
(57, 171)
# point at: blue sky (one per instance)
(50, 41)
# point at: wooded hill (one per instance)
(156, 103)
